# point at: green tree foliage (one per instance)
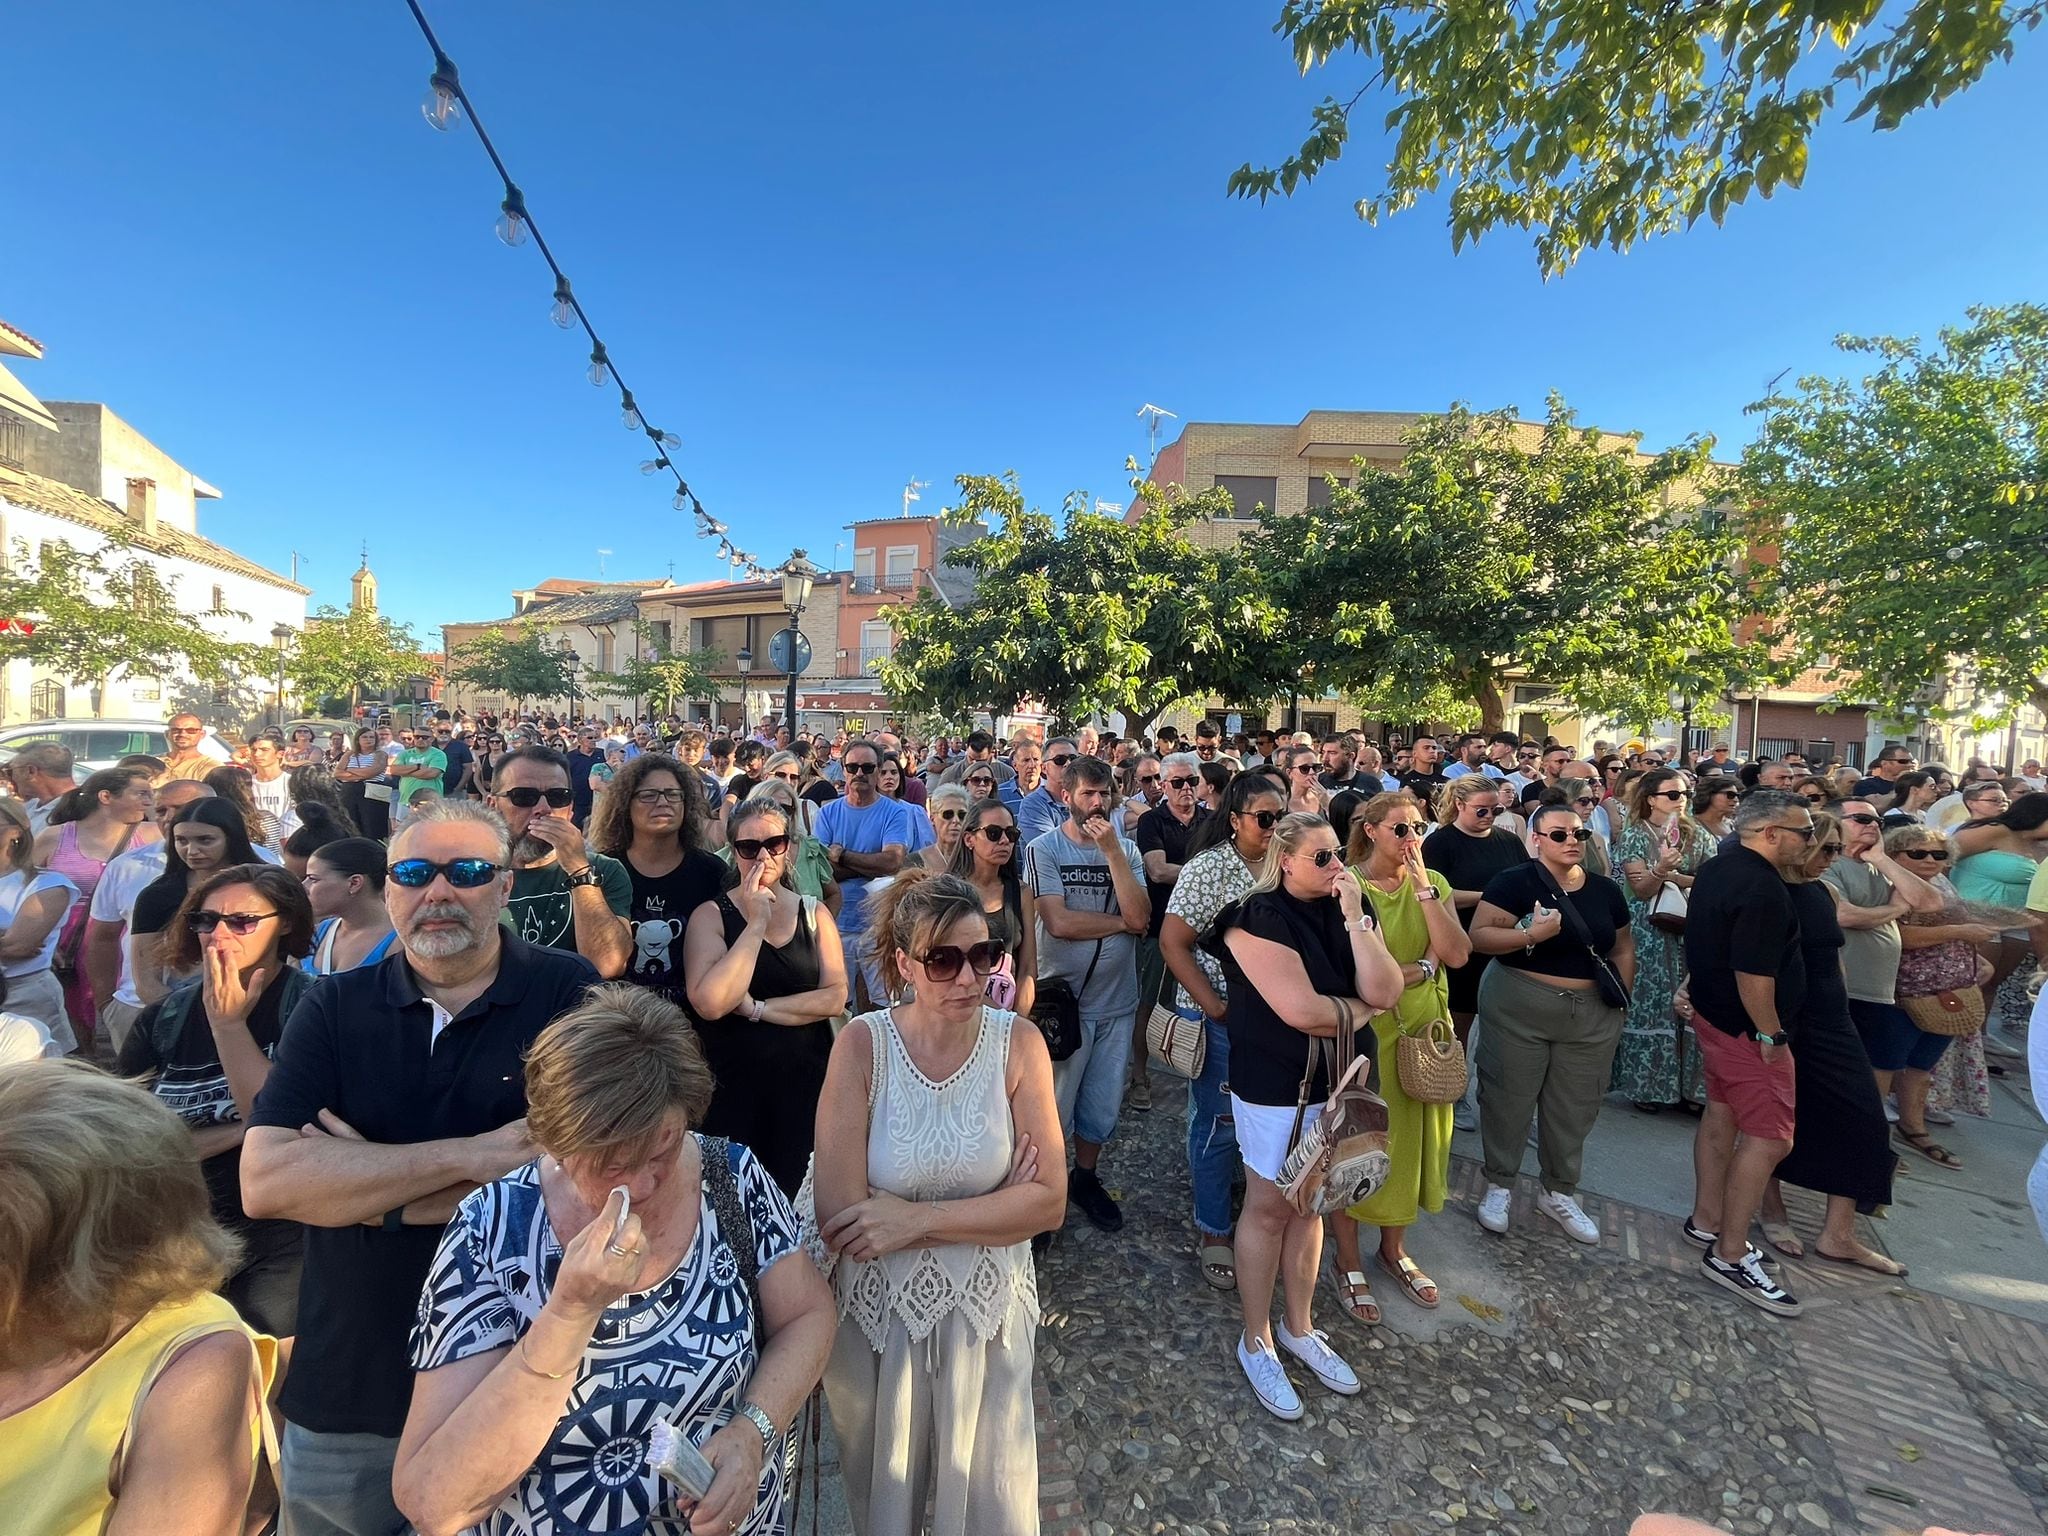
(344, 655)
(99, 612)
(665, 679)
(1083, 612)
(519, 664)
(1495, 548)
(1603, 122)
(1909, 509)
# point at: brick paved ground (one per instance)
(1576, 1387)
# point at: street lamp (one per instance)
(570, 662)
(281, 636)
(745, 662)
(798, 577)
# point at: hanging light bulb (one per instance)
(649, 466)
(511, 225)
(600, 366)
(630, 413)
(443, 105)
(564, 312)
(682, 500)
(668, 439)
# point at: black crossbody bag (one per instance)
(1606, 979)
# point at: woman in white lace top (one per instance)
(938, 1159)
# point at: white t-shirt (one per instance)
(15, 890)
(274, 798)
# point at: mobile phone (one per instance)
(672, 1456)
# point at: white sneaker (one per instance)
(1493, 1208)
(1891, 1111)
(1262, 1368)
(1568, 1213)
(1465, 1115)
(1314, 1352)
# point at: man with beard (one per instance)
(397, 1089)
(564, 895)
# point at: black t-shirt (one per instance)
(1826, 1002)
(1599, 902)
(1739, 917)
(362, 1044)
(1267, 1054)
(741, 785)
(821, 791)
(192, 1084)
(459, 757)
(1362, 783)
(580, 764)
(1423, 786)
(157, 904)
(1159, 829)
(1881, 788)
(660, 915)
(1469, 863)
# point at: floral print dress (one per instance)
(1658, 1062)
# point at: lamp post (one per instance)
(281, 636)
(798, 577)
(570, 662)
(745, 662)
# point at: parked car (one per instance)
(97, 744)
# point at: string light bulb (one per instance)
(511, 225)
(600, 366)
(443, 104)
(564, 312)
(667, 439)
(682, 500)
(650, 466)
(630, 413)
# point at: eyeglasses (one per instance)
(463, 874)
(1667, 794)
(1830, 849)
(1483, 812)
(998, 834)
(952, 815)
(1861, 818)
(1939, 855)
(1205, 749)
(787, 775)
(943, 962)
(1304, 768)
(1593, 800)
(1407, 829)
(1576, 835)
(1527, 757)
(861, 770)
(658, 797)
(754, 847)
(1265, 819)
(1727, 794)
(238, 923)
(1805, 833)
(1061, 759)
(982, 778)
(526, 798)
(1322, 856)
(1148, 778)
(1187, 782)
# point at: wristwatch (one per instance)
(1763, 1039)
(1362, 923)
(1428, 893)
(770, 1435)
(586, 876)
(1428, 968)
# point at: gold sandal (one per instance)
(1354, 1294)
(1413, 1280)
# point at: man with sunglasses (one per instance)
(981, 753)
(1748, 976)
(1872, 892)
(397, 1088)
(1091, 908)
(1884, 774)
(1149, 775)
(867, 836)
(586, 753)
(564, 895)
(416, 765)
(1161, 837)
(1045, 807)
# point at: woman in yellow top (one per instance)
(1420, 926)
(131, 1396)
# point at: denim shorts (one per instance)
(1892, 1040)
(1089, 1085)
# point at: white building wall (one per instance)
(129, 696)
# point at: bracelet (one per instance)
(759, 1008)
(527, 1362)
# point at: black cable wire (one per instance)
(600, 355)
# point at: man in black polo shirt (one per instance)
(396, 1090)
(1162, 836)
(1879, 789)
(1748, 977)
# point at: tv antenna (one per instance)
(601, 555)
(910, 490)
(1150, 414)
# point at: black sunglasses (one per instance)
(943, 962)
(1322, 856)
(1483, 811)
(237, 922)
(526, 798)
(1148, 778)
(1184, 783)
(463, 874)
(1061, 759)
(1939, 855)
(1576, 835)
(863, 769)
(1861, 818)
(754, 847)
(998, 834)
(952, 815)
(1265, 819)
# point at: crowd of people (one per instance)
(513, 1097)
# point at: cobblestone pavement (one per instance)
(1559, 1388)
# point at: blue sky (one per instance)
(832, 253)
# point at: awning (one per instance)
(14, 396)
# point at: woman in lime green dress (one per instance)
(1420, 926)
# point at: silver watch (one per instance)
(770, 1435)
(1428, 967)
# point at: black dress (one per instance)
(1841, 1144)
(769, 1076)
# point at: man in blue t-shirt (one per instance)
(1045, 808)
(866, 836)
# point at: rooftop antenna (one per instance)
(601, 554)
(1150, 414)
(296, 558)
(910, 491)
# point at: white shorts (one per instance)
(1263, 1132)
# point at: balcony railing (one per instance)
(892, 581)
(862, 663)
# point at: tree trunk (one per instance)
(1492, 707)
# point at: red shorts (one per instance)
(1759, 1095)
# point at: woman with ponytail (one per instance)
(89, 828)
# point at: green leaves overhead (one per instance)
(1597, 123)
(1498, 547)
(346, 654)
(521, 665)
(1909, 512)
(665, 679)
(1085, 612)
